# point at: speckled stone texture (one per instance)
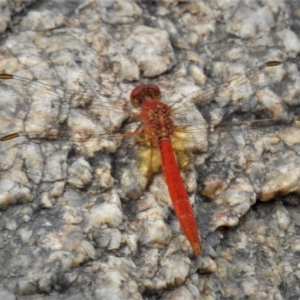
(78, 220)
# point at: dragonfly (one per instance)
(168, 133)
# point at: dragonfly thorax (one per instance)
(156, 118)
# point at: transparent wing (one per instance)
(92, 118)
(248, 92)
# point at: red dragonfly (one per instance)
(163, 128)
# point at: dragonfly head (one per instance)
(144, 92)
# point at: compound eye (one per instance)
(143, 92)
